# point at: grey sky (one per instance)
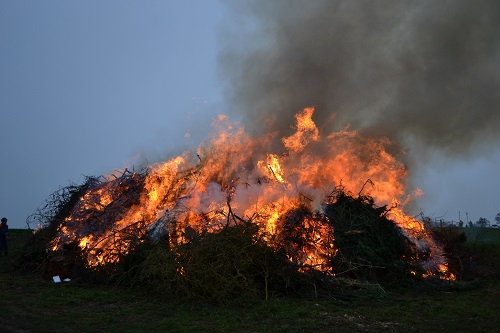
(90, 87)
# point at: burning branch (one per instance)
(368, 181)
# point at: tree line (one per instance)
(482, 222)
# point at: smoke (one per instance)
(425, 74)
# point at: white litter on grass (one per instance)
(57, 279)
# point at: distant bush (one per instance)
(471, 253)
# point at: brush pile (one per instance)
(358, 246)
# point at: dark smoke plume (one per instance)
(425, 73)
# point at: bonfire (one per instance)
(332, 204)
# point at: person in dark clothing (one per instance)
(4, 229)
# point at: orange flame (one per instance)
(236, 174)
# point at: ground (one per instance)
(31, 303)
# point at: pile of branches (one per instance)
(238, 261)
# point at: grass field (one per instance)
(482, 235)
(30, 303)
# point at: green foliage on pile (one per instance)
(370, 246)
(231, 264)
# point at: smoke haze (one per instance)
(423, 73)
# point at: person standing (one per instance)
(4, 229)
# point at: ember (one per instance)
(299, 202)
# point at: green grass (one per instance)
(482, 235)
(30, 303)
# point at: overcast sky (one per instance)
(90, 87)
